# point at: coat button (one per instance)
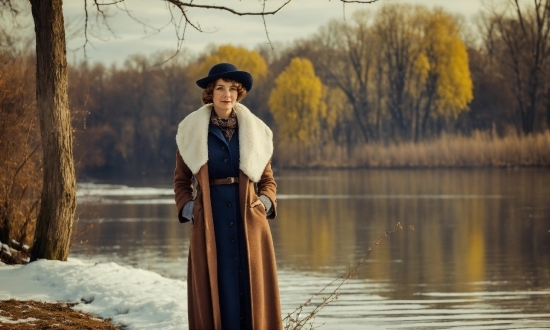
(225, 160)
(232, 241)
(229, 205)
(235, 258)
(231, 224)
(223, 148)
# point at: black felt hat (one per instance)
(226, 70)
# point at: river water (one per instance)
(474, 251)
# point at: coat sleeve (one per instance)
(268, 187)
(183, 186)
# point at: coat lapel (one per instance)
(255, 141)
(217, 132)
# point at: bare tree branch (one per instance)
(358, 1)
(101, 18)
(266, 32)
(180, 24)
(182, 5)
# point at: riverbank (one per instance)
(448, 151)
(131, 298)
(24, 315)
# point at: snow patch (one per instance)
(10, 321)
(137, 298)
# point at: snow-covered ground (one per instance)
(137, 298)
(142, 299)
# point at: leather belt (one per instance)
(229, 180)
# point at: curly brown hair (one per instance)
(209, 91)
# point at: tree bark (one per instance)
(58, 200)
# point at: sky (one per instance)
(299, 19)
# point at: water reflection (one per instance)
(141, 235)
(483, 235)
(465, 220)
(479, 254)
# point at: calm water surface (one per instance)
(478, 257)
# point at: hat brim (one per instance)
(243, 77)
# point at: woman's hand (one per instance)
(256, 203)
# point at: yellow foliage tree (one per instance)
(338, 110)
(244, 59)
(297, 103)
(425, 67)
(448, 58)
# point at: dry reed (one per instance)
(479, 150)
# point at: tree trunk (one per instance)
(357, 111)
(58, 200)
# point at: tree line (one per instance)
(397, 75)
(400, 74)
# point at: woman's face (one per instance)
(224, 96)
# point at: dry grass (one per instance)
(23, 315)
(478, 150)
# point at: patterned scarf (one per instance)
(226, 125)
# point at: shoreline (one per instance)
(478, 151)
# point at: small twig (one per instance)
(358, 1)
(297, 323)
(266, 32)
(344, 11)
(88, 228)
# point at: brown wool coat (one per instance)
(202, 284)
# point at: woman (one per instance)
(232, 275)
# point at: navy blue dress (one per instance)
(233, 283)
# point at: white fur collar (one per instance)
(255, 141)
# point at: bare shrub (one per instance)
(20, 158)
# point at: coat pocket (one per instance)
(259, 207)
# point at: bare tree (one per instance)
(399, 49)
(348, 58)
(523, 31)
(58, 202)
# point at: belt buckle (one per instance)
(230, 180)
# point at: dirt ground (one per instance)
(19, 315)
